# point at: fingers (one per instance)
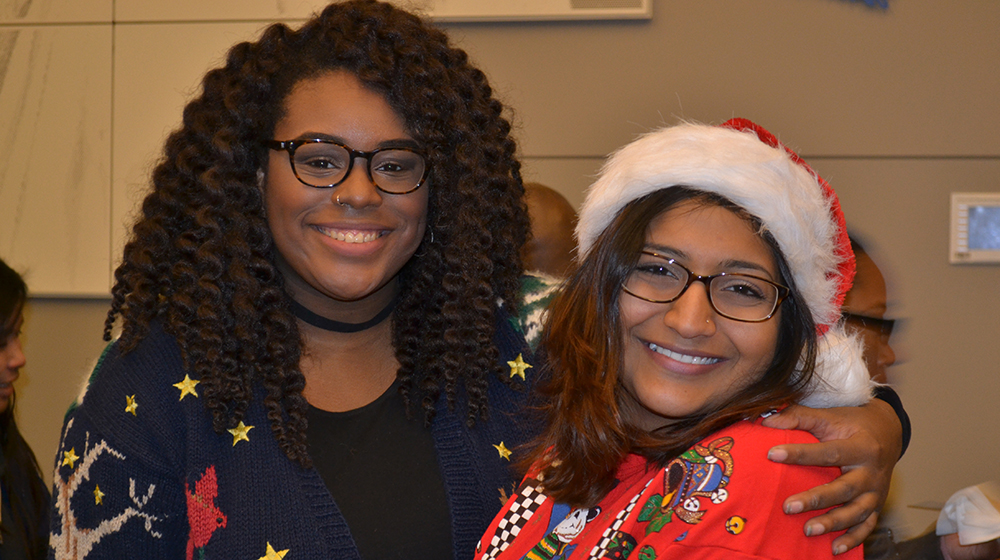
(836, 453)
(855, 535)
(852, 489)
(795, 417)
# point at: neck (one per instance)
(308, 316)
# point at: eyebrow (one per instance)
(728, 264)
(394, 143)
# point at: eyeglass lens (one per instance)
(324, 164)
(737, 296)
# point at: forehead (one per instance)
(14, 321)
(711, 233)
(867, 295)
(336, 103)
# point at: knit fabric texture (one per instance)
(141, 474)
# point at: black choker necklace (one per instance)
(321, 322)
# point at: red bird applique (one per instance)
(203, 515)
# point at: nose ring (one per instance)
(339, 203)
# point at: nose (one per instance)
(357, 190)
(13, 355)
(886, 355)
(691, 315)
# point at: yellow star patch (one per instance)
(131, 405)
(98, 495)
(240, 433)
(503, 451)
(273, 554)
(70, 458)
(518, 366)
(187, 387)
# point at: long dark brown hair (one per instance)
(200, 255)
(20, 476)
(587, 432)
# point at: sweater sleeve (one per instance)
(116, 491)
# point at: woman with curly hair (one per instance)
(324, 333)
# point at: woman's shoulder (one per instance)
(136, 401)
(724, 499)
(745, 446)
(144, 368)
(755, 433)
(757, 484)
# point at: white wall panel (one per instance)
(158, 68)
(55, 156)
(214, 10)
(55, 11)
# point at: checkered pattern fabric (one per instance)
(602, 545)
(529, 499)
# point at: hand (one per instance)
(952, 550)
(865, 442)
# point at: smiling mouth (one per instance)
(351, 236)
(683, 358)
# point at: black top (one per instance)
(382, 471)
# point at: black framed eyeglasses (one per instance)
(740, 297)
(326, 164)
(883, 326)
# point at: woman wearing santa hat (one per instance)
(713, 265)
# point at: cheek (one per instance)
(414, 212)
(633, 313)
(757, 343)
(872, 342)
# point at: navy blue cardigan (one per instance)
(140, 473)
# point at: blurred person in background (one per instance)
(551, 247)
(24, 524)
(864, 312)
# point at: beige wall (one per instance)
(896, 108)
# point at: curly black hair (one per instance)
(200, 258)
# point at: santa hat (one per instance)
(747, 165)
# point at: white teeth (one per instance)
(351, 236)
(683, 358)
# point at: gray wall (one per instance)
(897, 109)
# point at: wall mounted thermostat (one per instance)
(975, 228)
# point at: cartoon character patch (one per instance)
(622, 546)
(701, 472)
(564, 526)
